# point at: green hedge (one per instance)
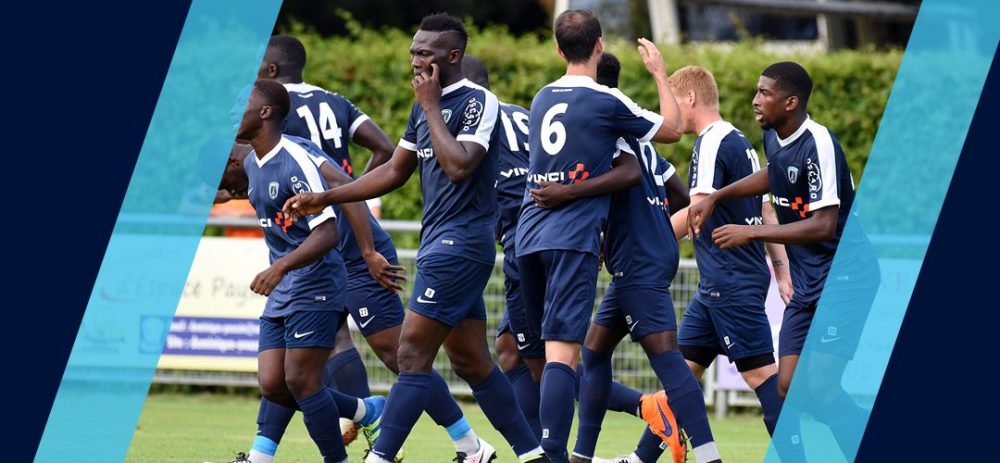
(371, 67)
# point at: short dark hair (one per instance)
(475, 70)
(792, 78)
(608, 70)
(452, 26)
(290, 50)
(274, 95)
(577, 32)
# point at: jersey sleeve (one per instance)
(355, 117)
(479, 117)
(623, 147)
(306, 178)
(630, 119)
(409, 140)
(821, 172)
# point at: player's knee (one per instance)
(302, 385)
(507, 354)
(410, 359)
(471, 371)
(274, 389)
(388, 356)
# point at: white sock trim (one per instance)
(359, 414)
(706, 452)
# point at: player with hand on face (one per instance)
(451, 135)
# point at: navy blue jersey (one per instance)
(459, 218)
(325, 118)
(808, 171)
(639, 244)
(575, 124)
(512, 165)
(348, 246)
(721, 157)
(285, 171)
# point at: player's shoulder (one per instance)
(820, 135)
(306, 90)
(302, 151)
(511, 108)
(588, 86)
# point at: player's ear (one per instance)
(561, 54)
(692, 98)
(599, 46)
(265, 112)
(455, 56)
(792, 103)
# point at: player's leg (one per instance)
(304, 361)
(519, 348)
(654, 325)
(420, 339)
(345, 371)
(470, 358)
(596, 382)
(561, 286)
(520, 378)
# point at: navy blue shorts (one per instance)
(559, 288)
(300, 329)
(515, 319)
(641, 310)
(737, 332)
(841, 329)
(373, 307)
(449, 288)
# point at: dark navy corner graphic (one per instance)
(113, 104)
(87, 78)
(936, 400)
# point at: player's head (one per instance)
(578, 36)
(608, 69)
(285, 58)
(782, 91)
(696, 92)
(475, 70)
(441, 40)
(267, 107)
(234, 178)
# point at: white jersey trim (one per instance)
(827, 165)
(587, 82)
(795, 136)
(357, 123)
(708, 153)
(307, 163)
(405, 144)
(302, 87)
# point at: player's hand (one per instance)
(651, 57)
(697, 214)
(222, 196)
(427, 89)
(302, 205)
(385, 273)
(551, 195)
(785, 289)
(731, 236)
(266, 281)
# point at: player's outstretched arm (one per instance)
(356, 214)
(779, 258)
(625, 173)
(320, 241)
(820, 226)
(670, 130)
(371, 136)
(383, 179)
(457, 159)
(755, 184)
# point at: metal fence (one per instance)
(631, 366)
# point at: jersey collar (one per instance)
(795, 136)
(270, 154)
(301, 87)
(709, 126)
(454, 86)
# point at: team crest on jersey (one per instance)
(793, 174)
(299, 186)
(473, 112)
(272, 190)
(814, 178)
(446, 114)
